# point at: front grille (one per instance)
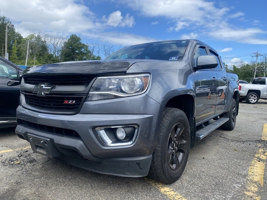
(49, 129)
(59, 80)
(56, 103)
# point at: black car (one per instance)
(9, 95)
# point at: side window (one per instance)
(7, 71)
(200, 51)
(219, 67)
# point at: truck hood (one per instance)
(83, 67)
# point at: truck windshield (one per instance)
(167, 50)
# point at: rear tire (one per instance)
(230, 125)
(252, 98)
(171, 153)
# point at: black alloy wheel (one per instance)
(177, 146)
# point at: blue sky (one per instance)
(235, 28)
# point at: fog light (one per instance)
(120, 133)
(117, 135)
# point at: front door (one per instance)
(9, 95)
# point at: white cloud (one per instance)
(115, 19)
(180, 25)
(248, 36)
(198, 12)
(189, 36)
(48, 16)
(201, 15)
(119, 38)
(238, 62)
(237, 15)
(192, 10)
(226, 49)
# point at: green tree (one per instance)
(38, 50)
(236, 70)
(246, 72)
(12, 36)
(41, 52)
(14, 57)
(74, 49)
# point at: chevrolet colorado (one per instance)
(134, 114)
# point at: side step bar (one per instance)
(202, 133)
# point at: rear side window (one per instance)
(200, 51)
(218, 60)
(261, 81)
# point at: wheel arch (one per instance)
(186, 103)
(258, 92)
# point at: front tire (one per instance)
(230, 125)
(252, 98)
(171, 153)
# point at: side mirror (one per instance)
(206, 62)
(13, 83)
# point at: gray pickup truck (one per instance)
(255, 91)
(134, 114)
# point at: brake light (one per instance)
(239, 87)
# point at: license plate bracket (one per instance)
(43, 145)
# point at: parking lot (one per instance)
(225, 165)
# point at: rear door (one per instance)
(9, 95)
(221, 85)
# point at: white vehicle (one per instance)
(255, 91)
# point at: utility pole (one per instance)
(265, 65)
(6, 55)
(27, 53)
(256, 65)
(11, 26)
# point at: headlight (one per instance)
(118, 86)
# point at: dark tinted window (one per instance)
(200, 51)
(7, 71)
(218, 60)
(169, 50)
(260, 81)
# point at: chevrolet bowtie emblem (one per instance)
(43, 89)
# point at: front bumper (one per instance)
(84, 150)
